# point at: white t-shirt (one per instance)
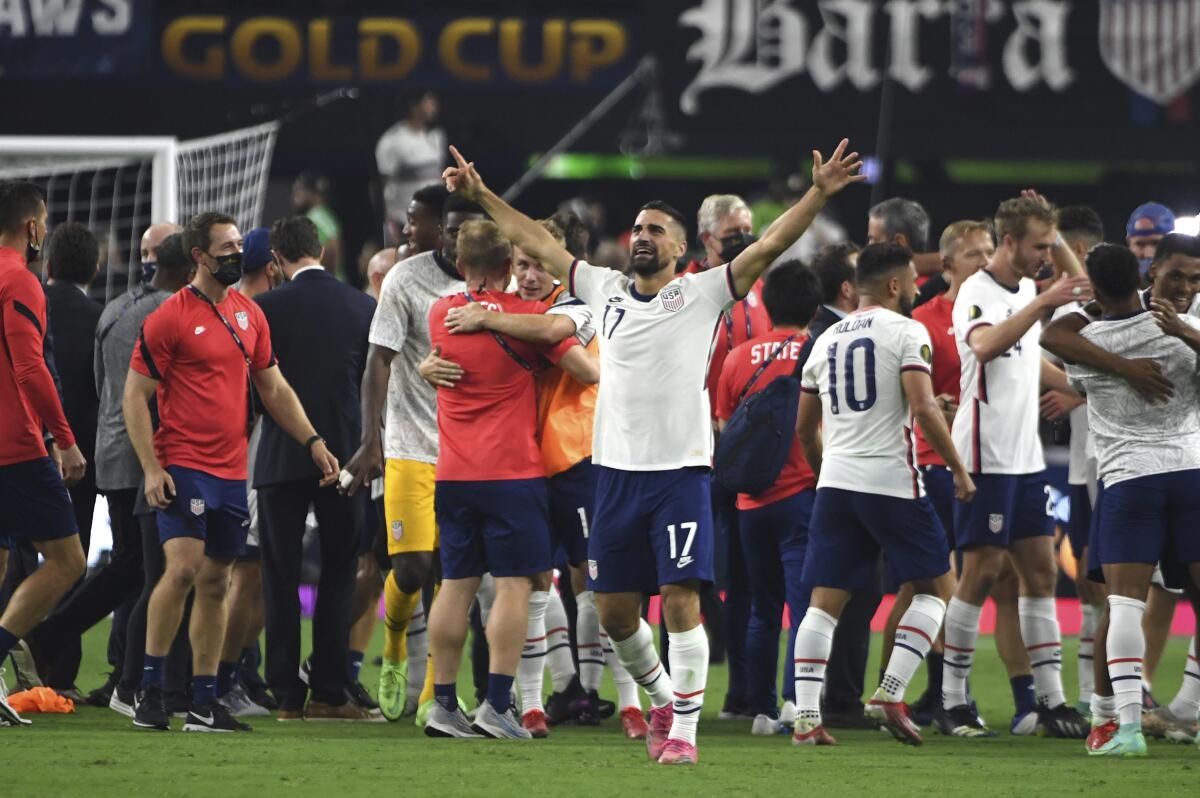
(866, 422)
(1135, 437)
(1081, 457)
(996, 428)
(408, 160)
(652, 410)
(401, 323)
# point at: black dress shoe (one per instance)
(849, 718)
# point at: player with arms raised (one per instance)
(653, 436)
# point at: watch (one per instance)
(308, 444)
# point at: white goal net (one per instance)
(119, 186)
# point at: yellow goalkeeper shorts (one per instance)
(408, 507)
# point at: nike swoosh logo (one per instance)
(209, 720)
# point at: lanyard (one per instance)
(763, 367)
(133, 297)
(727, 317)
(500, 340)
(236, 338)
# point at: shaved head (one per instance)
(154, 236)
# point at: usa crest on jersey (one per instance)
(242, 319)
(672, 298)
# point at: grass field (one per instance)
(97, 753)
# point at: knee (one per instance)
(180, 575)
(212, 585)
(681, 607)
(617, 624)
(72, 564)
(541, 582)
(411, 570)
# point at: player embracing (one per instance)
(653, 437)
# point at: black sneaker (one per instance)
(604, 708)
(961, 721)
(559, 705)
(584, 711)
(177, 703)
(1063, 722)
(256, 688)
(149, 711)
(103, 694)
(212, 718)
(359, 695)
(925, 707)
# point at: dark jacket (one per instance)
(821, 322)
(72, 318)
(319, 332)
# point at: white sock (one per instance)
(1126, 647)
(638, 655)
(1104, 709)
(962, 630)
(1186, 703)
(688, 653)
(1087, 643)
(1043, 642)
(418, 650)
(814, 641)
(533, 655)
(558, 644)
(627, 692)
(587, 641)
(914, 636)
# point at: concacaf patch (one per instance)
(974, 312)
(397, 530)
(197, 506)
(926, 353)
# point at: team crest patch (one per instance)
(197, 506)
(397, 530)
(974, 312)
(996, 523)
(672, 298)
(242, 319)
(926, 353)
(593, 571)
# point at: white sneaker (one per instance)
(7, 714)
(787, 715)
(499, 725)
(240, 705)
(767, 726)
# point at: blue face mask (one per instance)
(147, 271)
(1144, 265)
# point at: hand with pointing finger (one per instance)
(462, 177)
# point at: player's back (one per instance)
(855, 366)
(1135, 437)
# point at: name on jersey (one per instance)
(760, 352)
(856, 323)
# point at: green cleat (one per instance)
(393, 686)
(1128, 741)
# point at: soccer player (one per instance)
(653, 434)
(197, 355)
(491, 497)
(774, 523)
(997, 317)
(34, 504)
(409, 443)
(1149, 464)
(865, 382)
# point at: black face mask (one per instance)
(734, 245)
(229, 268)
(148, 269)
(33, 251)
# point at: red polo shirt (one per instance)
(739, 367)
(28, 398)
(936, 316)
(204, 379)
(487, 423)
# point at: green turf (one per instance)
(97, 753)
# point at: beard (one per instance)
(905, 306)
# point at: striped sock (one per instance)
(914, 636)
(558, 644)
(1043, 642)
(639, 657)
(627, 692)
(962, 630)
(688, 654)
(587, 641)
(1087, 644)
(1126, 646)
(1186, 703)
(814, 640)
(533, 655)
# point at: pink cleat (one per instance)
(678, 752)
(634, 724)
(808, 732)
(894, 716)
(660, 727)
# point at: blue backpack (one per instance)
(754, 447)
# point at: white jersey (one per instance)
(1135, 437)
(1081, 458)
(652, 409)
(401, 323)
(996, 427)
(867, 425)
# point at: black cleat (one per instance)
(604, 708)
(149, 710)
(1063, 722)
(961, 721)
(212, 718)
(358, 694)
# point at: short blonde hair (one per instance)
(955, 232)
(481, 247)
(556, 232)
(1013, 215)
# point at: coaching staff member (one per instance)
(319, 332)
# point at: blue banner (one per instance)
(75, 38)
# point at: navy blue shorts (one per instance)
(1007, 507)
(939, 487)
(572, 505)
(1079, 527)
(651, 528)
(850, 528)
(209, 508)
(34, 503)
(499, 527)
(1149, 520)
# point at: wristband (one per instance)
(308, 444)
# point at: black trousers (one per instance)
(103, 592)
(282, 509)
(847, 666)
(177, 674)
